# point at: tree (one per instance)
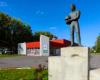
(36, 35)
(5, 21)
(96, 47)
(98, 44)
(13, 31)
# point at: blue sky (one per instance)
(48, 15)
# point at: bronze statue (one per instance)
(72, 20)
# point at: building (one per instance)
(33, 48)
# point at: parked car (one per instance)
(5, 51)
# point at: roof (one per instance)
(59, 43)
(53, 43)
(33, 45)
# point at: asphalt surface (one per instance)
(32, 61)
(22, 61)
(95, 62)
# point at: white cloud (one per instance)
(2, 4)
(39, 12)
(53, 28)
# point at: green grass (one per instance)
(22, 74)
(8, 55)
(43, 74)
(94, 54)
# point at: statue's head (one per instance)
(73, 7)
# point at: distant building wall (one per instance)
(22, 48)
(33, 52)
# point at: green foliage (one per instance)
(36, 35)
(13, 31)
(41, 75)
(98, 44)
(45, 75)
(22, 74)
(96, 48)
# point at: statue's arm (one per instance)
(67, 17)
(76, 17)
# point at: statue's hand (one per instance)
(67, 17)
(68, 21)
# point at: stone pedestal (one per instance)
(71, 65)
(95, 74)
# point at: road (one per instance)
(22, 61)
(95, 62)
(30, 61)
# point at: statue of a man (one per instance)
(72, 20)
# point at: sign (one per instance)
(44, 45)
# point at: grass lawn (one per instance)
(8, 55)
(95, 54)
(22, 74)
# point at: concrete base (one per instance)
(55, 68)
(71, 65)
(95, 74)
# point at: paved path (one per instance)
(95, 61)
(29, 61)
(22, 61)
